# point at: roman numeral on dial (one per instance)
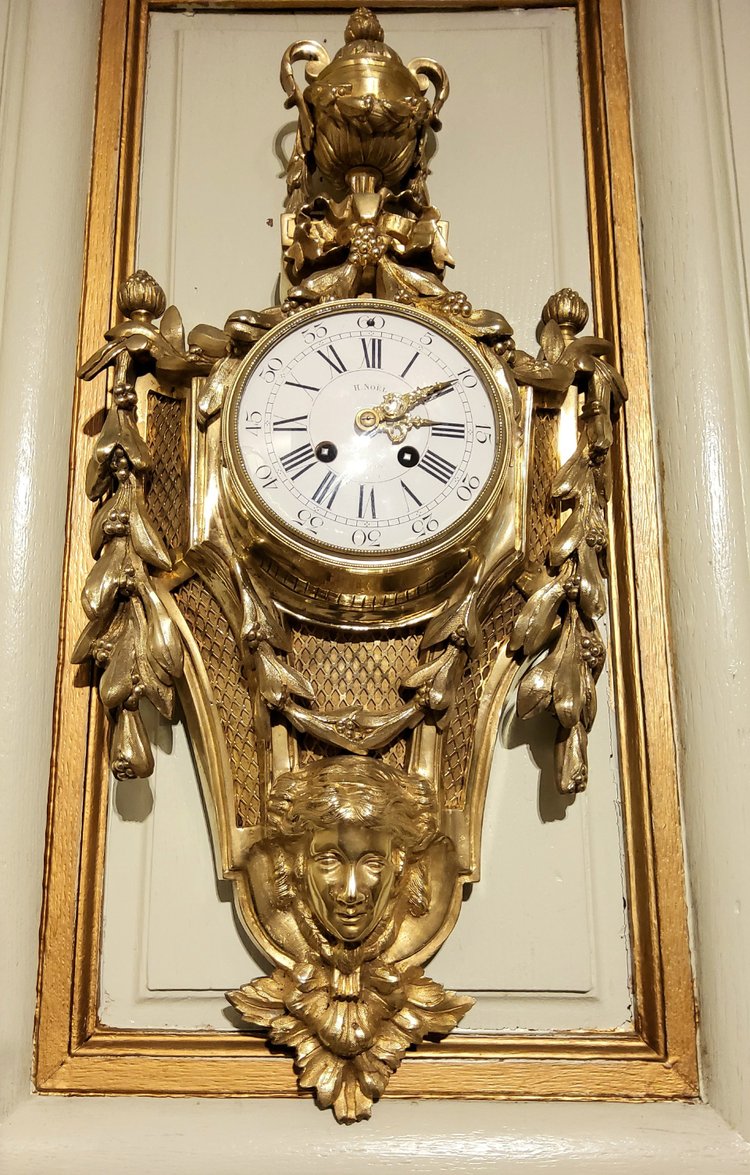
(327, 490)
(291, 424)
(373, 349)
(367, 502)
(437, 466)
(292, 383)
(409, 493)
(446, 428)
(300, 460)
(332, 357)
(411, 363)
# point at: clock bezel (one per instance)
(295, 543)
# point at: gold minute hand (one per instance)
(393, 407)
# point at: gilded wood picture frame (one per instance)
(657, 1059)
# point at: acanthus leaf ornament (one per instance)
(347, 572)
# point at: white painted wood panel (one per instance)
(542, 940)
(216, 134)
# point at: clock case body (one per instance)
(294, 663)
(355, 627)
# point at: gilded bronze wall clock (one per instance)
(343, 538)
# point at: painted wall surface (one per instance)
(692, 159)
(688, 75)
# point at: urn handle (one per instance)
(425, 70)
(317, 59)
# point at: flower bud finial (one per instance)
(567, 309)
(363, 25)
(141, 296)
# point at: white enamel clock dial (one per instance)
(304, 444)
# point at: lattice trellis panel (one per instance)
(167, 492)
(364, 671)
(542, 521)
(496, 627)
(221, 657)
(459, 734)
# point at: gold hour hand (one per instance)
(393, 407)
(396, 430)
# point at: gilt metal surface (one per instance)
(342, 710)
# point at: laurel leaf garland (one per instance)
(130, 634)
(537, 618)
(559, 618)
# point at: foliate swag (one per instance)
(559, 619)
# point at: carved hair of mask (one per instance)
(355, 829)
